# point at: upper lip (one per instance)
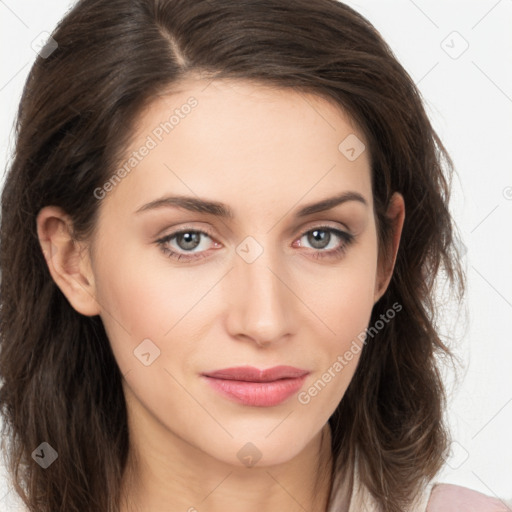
(251, 374)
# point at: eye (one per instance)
(187, 240)
(322, 236)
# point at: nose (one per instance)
(261, 303)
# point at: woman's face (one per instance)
(278, 282)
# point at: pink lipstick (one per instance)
(259, 388)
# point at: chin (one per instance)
(253, 449)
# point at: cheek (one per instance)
(345, 306)
(347, 313)
(347, 295)
(143, 298)
(350, 310)
(134, 306)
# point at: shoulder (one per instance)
(455, 498)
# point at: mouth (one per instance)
(258, 388)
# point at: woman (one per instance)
(220, 236)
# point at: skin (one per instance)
(264, 152)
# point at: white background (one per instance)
(469, 99)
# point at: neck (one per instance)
(169, 474)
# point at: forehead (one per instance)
(244, 142)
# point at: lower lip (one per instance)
(257, 394)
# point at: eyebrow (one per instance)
(195, 204)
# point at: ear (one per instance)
(386, 264)
(68, 261)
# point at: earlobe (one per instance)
(68, 261)
(396, 214)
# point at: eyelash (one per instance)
(318, 254)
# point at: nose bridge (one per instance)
(262, 306)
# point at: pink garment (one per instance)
(435, 497)
(454, 498)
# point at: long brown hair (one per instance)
(60, 381)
